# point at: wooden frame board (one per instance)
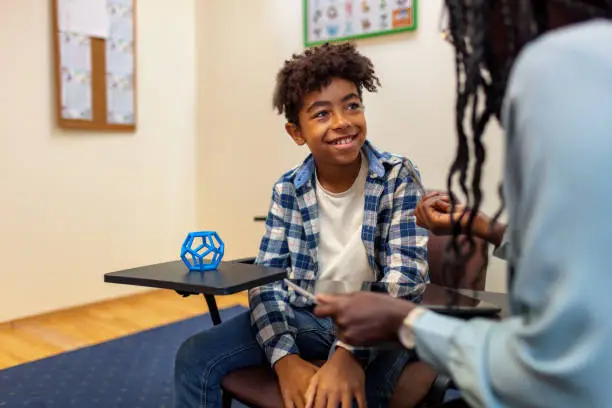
(98, 78)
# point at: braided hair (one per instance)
(481, 78)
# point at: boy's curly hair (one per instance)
(314, 69)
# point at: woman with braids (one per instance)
(555, 350)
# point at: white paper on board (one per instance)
(87, 17)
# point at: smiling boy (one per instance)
(345, 214)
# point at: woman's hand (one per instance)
(364, 318)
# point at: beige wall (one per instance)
(75, 205)
(242, 145)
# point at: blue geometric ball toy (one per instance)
(202, 251)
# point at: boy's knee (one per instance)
(183, 358)
(209, 354)
(192, 356)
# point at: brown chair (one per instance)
(257, 386)
(474, 277)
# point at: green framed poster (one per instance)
(341, 20)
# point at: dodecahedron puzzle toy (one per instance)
(202, 250)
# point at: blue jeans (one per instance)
(204, 359)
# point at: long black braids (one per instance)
(467, 34)
(478, 75)
(453, 262)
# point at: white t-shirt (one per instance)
(342, 255)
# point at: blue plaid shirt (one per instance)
(395, 246)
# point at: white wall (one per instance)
(243, 148)
(75, 205)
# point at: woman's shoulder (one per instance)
(583, 46)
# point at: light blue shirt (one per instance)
(556, 349)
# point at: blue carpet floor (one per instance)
(130, 372)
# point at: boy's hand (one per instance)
(433, 212)
(294, 375)
(338, 383)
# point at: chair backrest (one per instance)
(473, 278)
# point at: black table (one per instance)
(230, 277)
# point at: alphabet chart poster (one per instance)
(340, 20)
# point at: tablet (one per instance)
(450, 302)
(435, 298)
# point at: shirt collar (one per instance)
(376, 160)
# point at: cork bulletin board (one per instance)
(341, 20)
(95, 64)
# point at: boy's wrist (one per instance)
(285, 363)
(358, 354)
(342, 354)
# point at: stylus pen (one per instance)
(301, 291)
